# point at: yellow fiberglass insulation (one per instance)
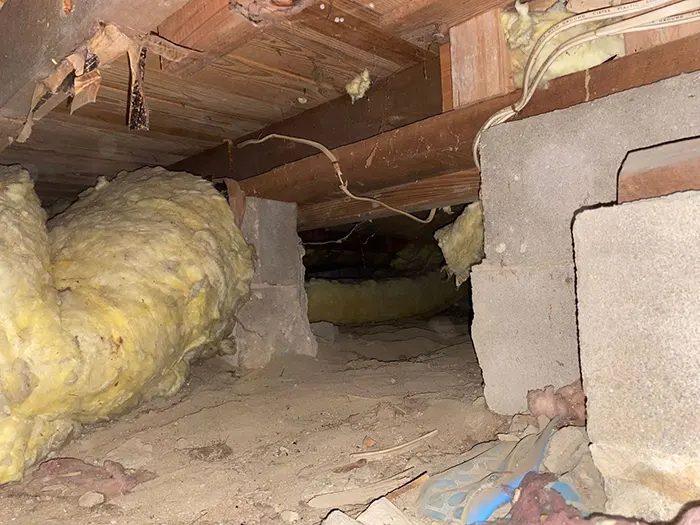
(370, 301)
(523, 29)
(462, 242)
(146, 273)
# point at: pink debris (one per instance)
(569, 403)
(537, 504)
(70, 477)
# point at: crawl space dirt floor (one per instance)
(241, 449)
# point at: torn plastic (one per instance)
(474, 490)
(108, 307)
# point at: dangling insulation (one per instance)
(462, 242)
(345, 303)
(523, 29)
(148, 271)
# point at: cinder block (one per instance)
(273, 322)
(271, 227)
(638, 284)
(537, 172)
(524, 331)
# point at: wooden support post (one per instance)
(435, 192)
(479, 60)
(661, 170)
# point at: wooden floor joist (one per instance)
(442, 144)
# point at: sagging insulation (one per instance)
(108, 307)
(345, 303)
(523, 28)
(462, 242)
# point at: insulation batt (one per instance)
(522, 30)
(462, 242)
(345, 303)
(146, 273)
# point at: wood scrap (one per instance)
(408, 487)
(349, 467)
(403, 447)
(236, 199)
(360, 495)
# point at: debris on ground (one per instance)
(568, 403)
(486, 480)
(380, 512)
(91, 499)
(74, 478)
(360, 495)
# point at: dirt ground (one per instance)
(242, 450)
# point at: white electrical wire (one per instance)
(678, 13)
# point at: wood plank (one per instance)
(216, 28)
(446, 77)
(480, 60)
(408, 96)
(639, 41)
(434, 192)
(442, 144)
(661, 170)
(34, 33)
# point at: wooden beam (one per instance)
(661, 170)
(217, 27)
(480, 60)
(214, 163)
(35, 33)
(409, 96)
(435, 192)
(641, 40)
(442, 144)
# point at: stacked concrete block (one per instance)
(536, 174)
(274, 321)
(638, 284)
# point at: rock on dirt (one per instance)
(91, 499)
(290, 516)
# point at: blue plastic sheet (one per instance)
(473, 490)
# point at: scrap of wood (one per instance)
(661, 170)
(479, 60)
(408, 487)
(349, 467)
(360, 495)
(398, 449)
